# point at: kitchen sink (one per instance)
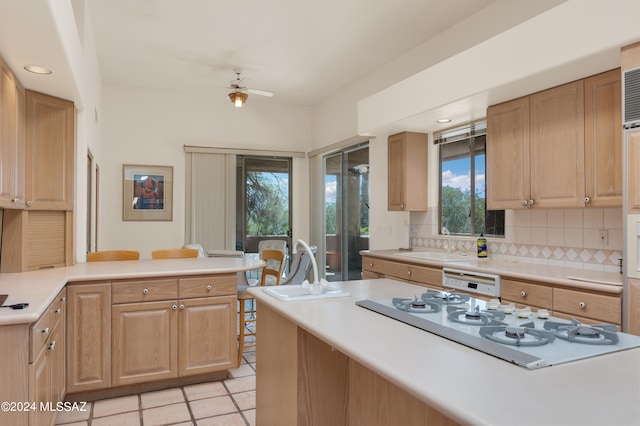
(440, 256)
(297, 293)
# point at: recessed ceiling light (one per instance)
(37, 69)
(443, 120)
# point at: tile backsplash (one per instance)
(589, 238)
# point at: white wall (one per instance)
(151, 127)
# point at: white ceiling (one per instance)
(300, 50)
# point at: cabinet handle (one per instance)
(371, 265)
(29, 203)
(586, 200)
(582, 305)
(145, 291)
(52, 345)
(63, 299)
(409, 273)
(525, 203)
(174, 307)
(58, 310)
(46, 330)
(530, 202)
(181, 306)
(15, 200)
(402, 206)
(523, 293)
(209, 288)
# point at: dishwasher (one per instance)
(475, 283)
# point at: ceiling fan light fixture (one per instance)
(238, 98)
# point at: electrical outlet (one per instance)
(604, 237)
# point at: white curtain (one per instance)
(210, 197)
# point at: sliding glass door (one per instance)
(346, 212)
(263, 201)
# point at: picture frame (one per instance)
(147, 193)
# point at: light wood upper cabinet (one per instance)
(407, 171)
(89, 331)
(12, 139)
(508, 184)
(50, 140)
(633, 171)
(603, 139)
(557, 146)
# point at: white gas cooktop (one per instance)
(462, 321)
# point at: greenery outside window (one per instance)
(462, 182)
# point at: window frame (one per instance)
(469, 134)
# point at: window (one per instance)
(462, 183)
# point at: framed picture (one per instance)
(147, 193)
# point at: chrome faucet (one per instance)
(449, 245)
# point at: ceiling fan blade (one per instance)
(260, 92)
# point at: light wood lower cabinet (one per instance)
(137, 331)
(143, 342)
(204, 341)
(373, 268)
(179, 333)
(89, 331)
(598, 307)
(47, 382)
(526, 294)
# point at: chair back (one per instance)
(110, 255)
(195, 246)
(300, 266)
(274, 260)
(180, 253)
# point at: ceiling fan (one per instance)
(240, 93)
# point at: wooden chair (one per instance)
(180, 253)
(110, 255)
(274, 260)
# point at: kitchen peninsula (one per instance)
(175, 317)
(332, 362)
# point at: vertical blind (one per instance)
(210, 200)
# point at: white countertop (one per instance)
(39, 288)
(465, 384)
(608, 282)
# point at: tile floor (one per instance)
(229, 402)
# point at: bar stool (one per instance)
(247, 319)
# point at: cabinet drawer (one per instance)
(46, 324)
(373, 265)
(596, 306)
(418, 274)
(527, 294)
(144, 291)
(212, 285)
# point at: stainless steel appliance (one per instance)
(531, 340)
(472, 282)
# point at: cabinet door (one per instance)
(88, 337)
(144, 342)
(207, 334)
(407, 171)
(41, 389)
(603, 140)
(11, 139)
(633, 171)
(508, 184)
(557, 146)
(49, 152)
